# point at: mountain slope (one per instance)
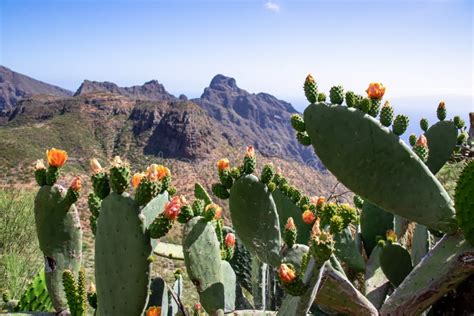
(258, 119)
(15, 86)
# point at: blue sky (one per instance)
(414, 47)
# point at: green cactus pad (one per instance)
(346, 250)
(122, 251)
(287, 208)
(419, 244)
(60, 238)
(371, 157)
(201, 193)
(36, 297)
(294, 256)
(229, 280)
(395, 262)
(441, 143)
(463, 196)
(374, 222)
(255, 218)
(170, 251)
(154, 208)
(376, 283)
(202, 256)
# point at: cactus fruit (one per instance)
(424, 125)
(464, 201)
(412, 139)
(310, 89)
(40, 172)
(220, 191)
(441, 111)
(290, 280)
(58, 228)
(36, 297)
(268, 172)
(303, 138)
(395, 262)
(400, 124)
(250, 161)
(322, 97)
(336, 95)
(374, 107)
(421, 148)
(386, 114)
(75, 292)
(462, 137)
(119, 175)
(358, 202)
(365, 105)
(458, 122)
(350, 99)
(297, 122)
(290, 233)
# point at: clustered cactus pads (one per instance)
(57, 225)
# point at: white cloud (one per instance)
(272, 6)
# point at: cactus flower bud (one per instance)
(290, 224)
(153, 311)
(136, 179)
(95, 166)
(39, 165)
(286, 273)
(223, 164)
(230, 240)
(375, 90)
(250, 152)
(173, 207)
(117, 162)
(317, 200)
(308, 217)
(76, 184)
(56, 157)
(422, 141)
(197, 307)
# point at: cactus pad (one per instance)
(464, 194)
(373, 152)
(442, 138)
(36, 297)
(395, 262)
(249, 198)
(122, 252)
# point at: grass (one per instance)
(20, 257)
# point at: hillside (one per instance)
(15, 86)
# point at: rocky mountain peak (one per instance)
(221, 82)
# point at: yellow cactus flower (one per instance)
(223, 164)
(39, 164)
(136, 179)
(56, 157)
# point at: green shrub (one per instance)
(20, 258)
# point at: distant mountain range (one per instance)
(229, 112)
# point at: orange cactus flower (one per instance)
(217, 209)
(95, 166)
(317, 200)
(173, 207)
(290, 224)
(286, 273)
(223, 164)
(441, 105)
(76, 184)
(250, 152)
(391, 235)
(136, 179)
(56, 157)
(308, 217)
(154, 311)
(230, 240)
(375, 90)
(39, 164)
(162, 172)
(422, 141)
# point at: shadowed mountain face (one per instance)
(15, 86)
(151, 90)
(258, 119)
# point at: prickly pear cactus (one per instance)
(36, 297)
(57, 225)
(465, 202)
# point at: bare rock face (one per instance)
(151, 90)
(15, 87)
(259, 119)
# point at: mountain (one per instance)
(151, 90)
(258, 119)
(15, 86)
